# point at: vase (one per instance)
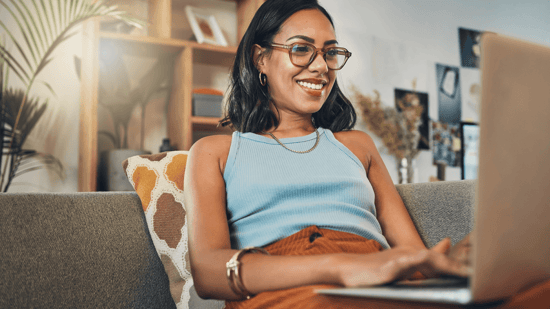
(405, 170)
(111, 175)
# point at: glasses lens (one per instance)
(335, 58)
(300, 54)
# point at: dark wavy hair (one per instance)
(247, 108)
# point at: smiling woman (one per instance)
(250, 108)
(295, 200)
(298, 89)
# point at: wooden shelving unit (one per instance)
(159, 43)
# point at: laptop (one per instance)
(511, 246)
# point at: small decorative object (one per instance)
(111, 177)
(204, 26)
(207, 102)
(166, 145)
(441, 171)
(405, 170)
(399, 130)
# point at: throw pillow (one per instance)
(158, 181)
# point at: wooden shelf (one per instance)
(210, 121)
(186, 54)
(210, 124)
(151, 46)
(143, 45)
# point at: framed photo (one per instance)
(204, 26)
(446, 144)
(424, 128)
(449, 93)
(470, 50)
(469, 135)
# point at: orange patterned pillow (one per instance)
(158, 181)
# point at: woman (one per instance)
(294, 178)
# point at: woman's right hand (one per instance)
(397, 264)
(460, 252)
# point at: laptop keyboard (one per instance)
(433, 282)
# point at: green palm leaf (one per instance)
(29, 113)
(43, 26)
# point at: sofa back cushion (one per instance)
(78, 250)
(94, 250)
(440, 209)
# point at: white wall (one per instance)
(426, 30)
(422, 33)
(57, 131)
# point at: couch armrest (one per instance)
(440, 209)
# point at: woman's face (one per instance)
(292, 87)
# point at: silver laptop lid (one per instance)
(512, 247)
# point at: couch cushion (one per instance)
(158, 180)
(79, 250)
(440, 209)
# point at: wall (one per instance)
(57, 131)
(420, 34)
(426, 31)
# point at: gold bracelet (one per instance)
(233, 275)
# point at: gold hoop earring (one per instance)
(263, 79)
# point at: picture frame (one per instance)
(470, 47)
(449, 93)
(424, 128)
(469, 140)
(204, 26)
(446, 148)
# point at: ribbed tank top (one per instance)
(273, 193)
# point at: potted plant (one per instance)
(41, 27)
(19, 160)
(118, 101)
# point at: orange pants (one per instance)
(313, 240)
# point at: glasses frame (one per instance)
(323, 51)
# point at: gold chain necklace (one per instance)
(295, 151)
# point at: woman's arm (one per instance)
(210, 249)
(397, 225)
(393, 216)
(209, 244)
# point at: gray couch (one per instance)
(93, 250)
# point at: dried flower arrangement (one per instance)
(398, 128)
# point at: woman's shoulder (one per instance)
(212, 144)
(354, 137)
(359, 143)
(213, 147)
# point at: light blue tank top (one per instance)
(273, 193)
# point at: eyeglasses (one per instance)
(303, 54)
